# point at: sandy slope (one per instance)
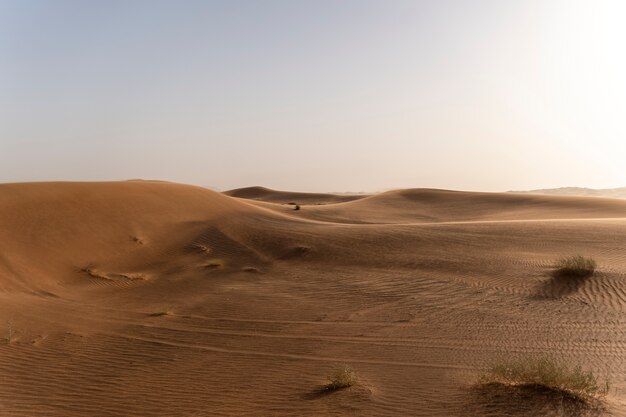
(160, 299)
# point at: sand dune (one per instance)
(159, 299)
(284, 197)
(428, 205)
(581, 192)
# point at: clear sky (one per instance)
(318, 95)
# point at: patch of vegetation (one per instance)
(201, 248)
(575, 266)
(91, 271)
(132, 276)
(341, 377)
(548, 375)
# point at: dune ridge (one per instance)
(580, 192)
(284, 197)
(432, 205)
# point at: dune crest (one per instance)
(432, 205)
(285, 197)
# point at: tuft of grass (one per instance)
(91, 271)
(575, 266)
(342, 377)
(201, 248)
(548, 374)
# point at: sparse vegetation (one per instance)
(341, 377)
(575, 266)
(91, 271)
(547, 374)
(131, 276)
(201, 248)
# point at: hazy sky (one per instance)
(315, 95)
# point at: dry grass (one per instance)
(575, 266)
(341, 377)
(91, 271)
(547, 374)
(201, 248)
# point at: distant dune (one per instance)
(432, 205)
(582, 192)
(146, 298)
(274, 196)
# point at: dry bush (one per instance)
(575, 266)
(201, 248)
(341, 377)
(548, 374)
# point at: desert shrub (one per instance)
(577, 266)
(548, 374)
(201, 248)
(341, 377)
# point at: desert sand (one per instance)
(145, 298)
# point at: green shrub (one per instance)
(576, 266)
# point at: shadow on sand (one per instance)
(322, 391)
(561, 285)
(496, 399)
